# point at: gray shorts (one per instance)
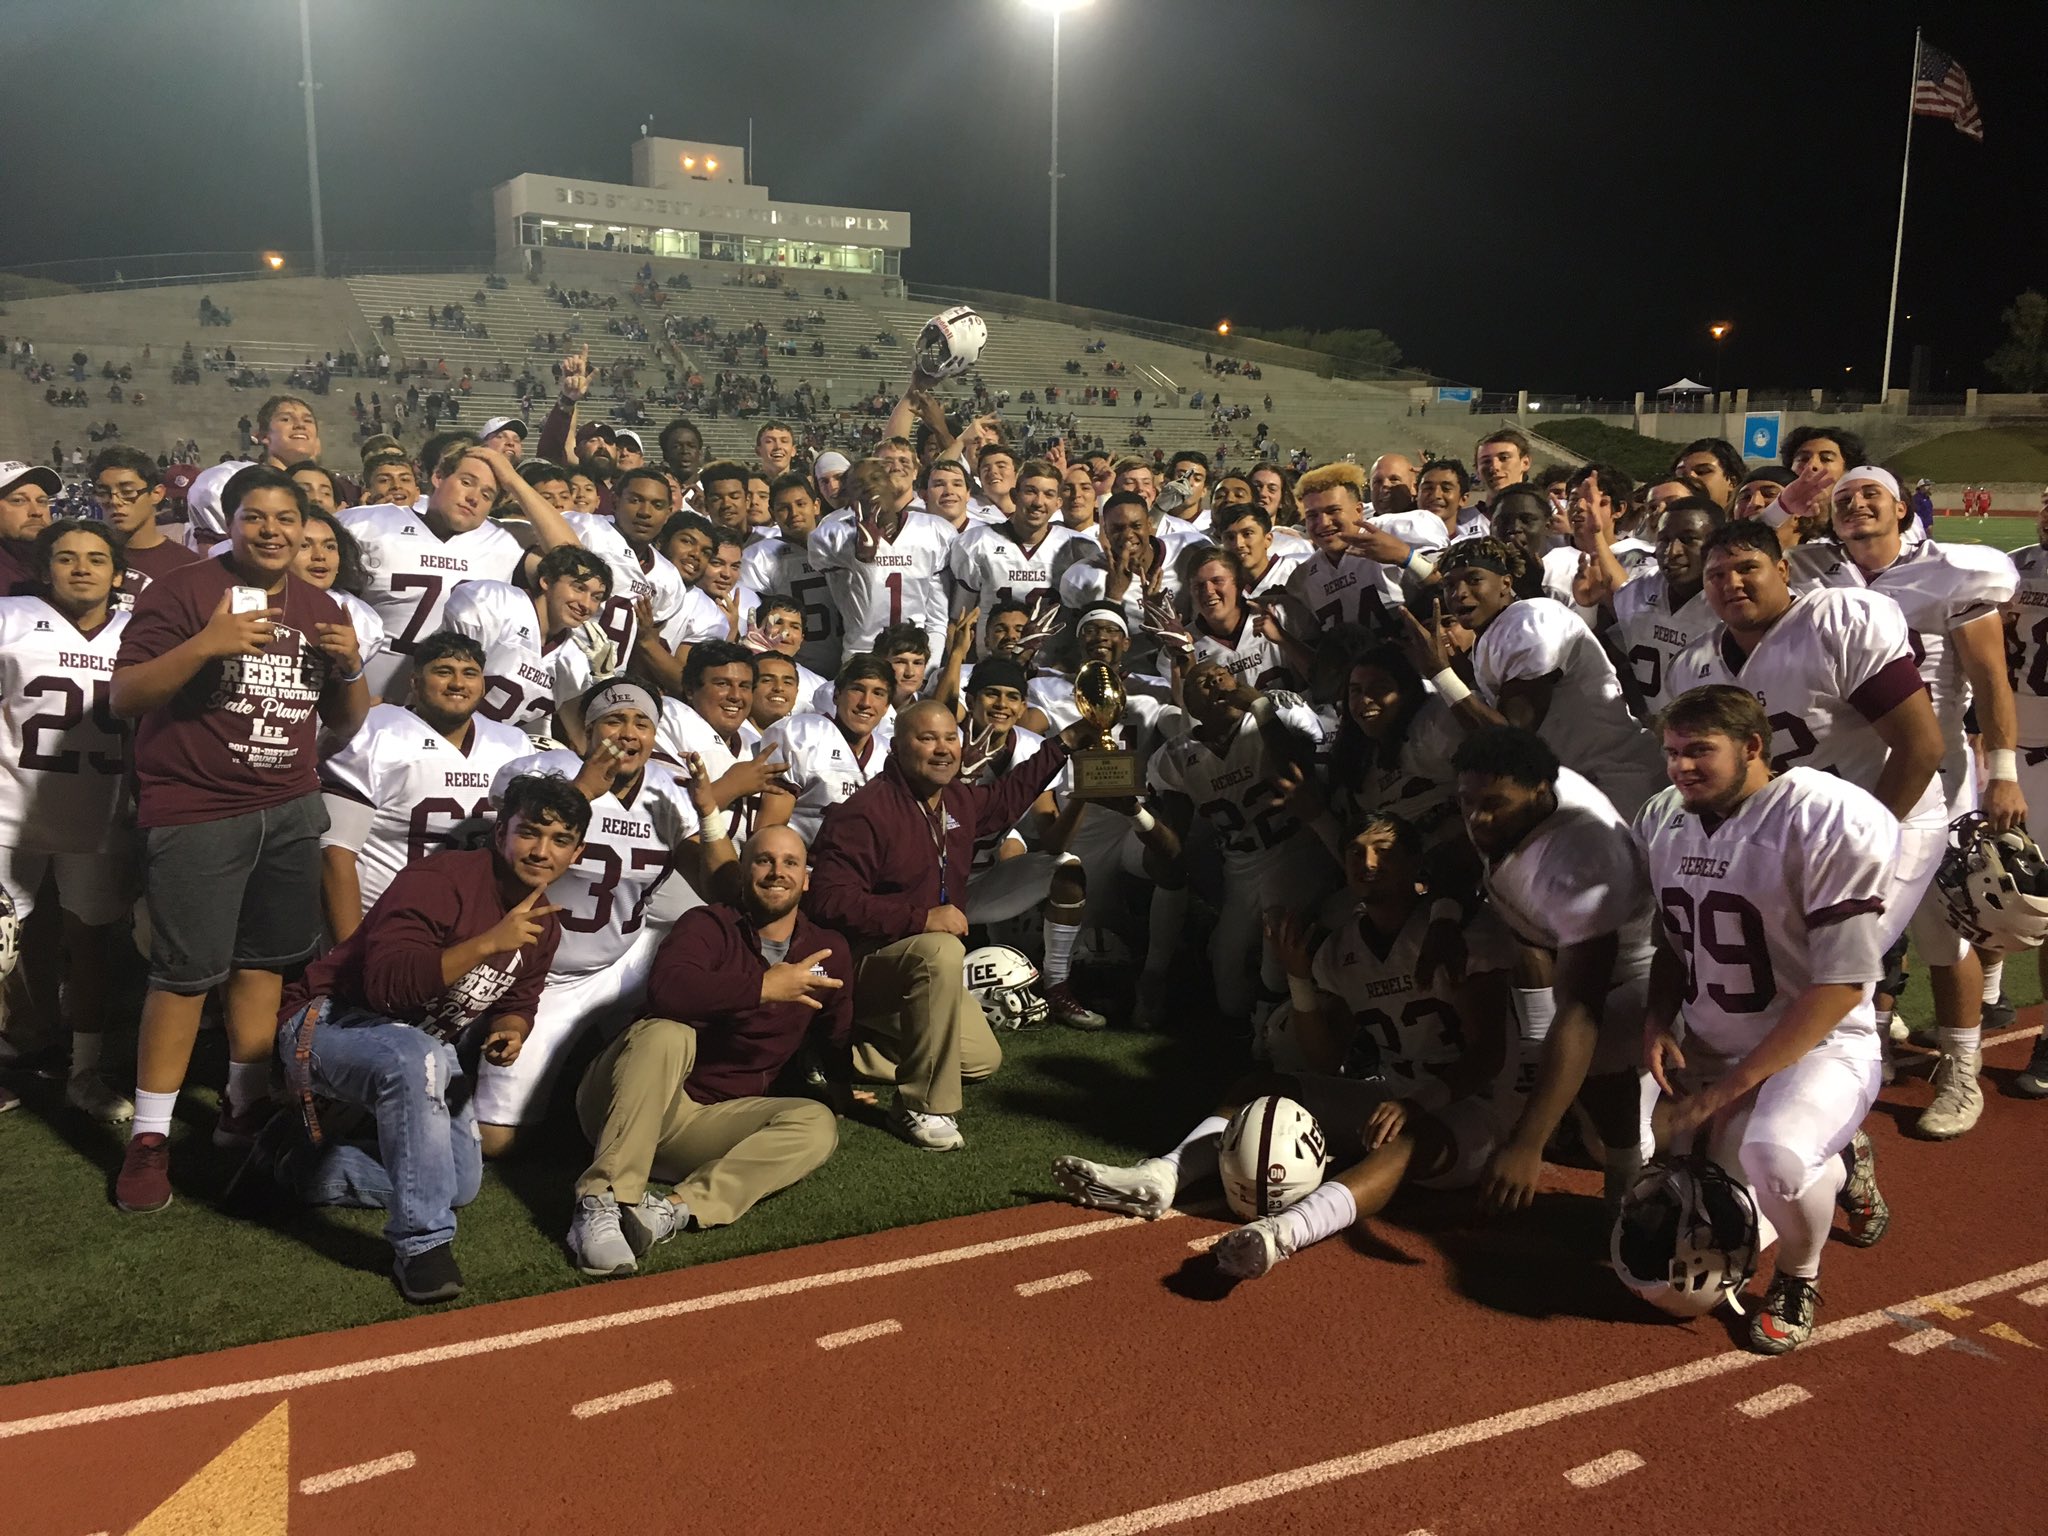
(238, 894)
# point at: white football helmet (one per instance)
(951, 343)
(10, 936)
(1006, 982)
(202, 502)
(1273, 1152)
(1994, 885)
(1687, 1236)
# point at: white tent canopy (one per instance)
(1685, 387)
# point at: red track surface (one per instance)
(1382, 1368)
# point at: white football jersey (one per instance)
(627, 854)
(1324, 593)
(1234, 792)
(371, 640)
(988, 562)
(1415, 1028)
(526, 677)
(398, 791)
(822, 768)
(2026, 643)
(1086, 583)
(1740, 899)
(410, 573)
(1651, 636)
(776, 567)
(699, 618)
(1248, 656)
(1838, 659)
(1281, 567)
(681, 729)
(1423, 532)
(1419, 784)
(658, 580)
(1588, 724)
(63, 753)
(905, 583)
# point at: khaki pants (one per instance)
(722, 1158)
(916, 1025)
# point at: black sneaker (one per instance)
(1999, 1015)
(428, 1277)
(2032, 1083)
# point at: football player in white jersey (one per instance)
(782, 567)
(710, 723)
(415, 559)
(410, 778)
(1566, 875)
(64, 808)
(641, 504)
(537, 652)
(1021, 559)
(886, 564)
(1770, 904)
(1226, 626)
(1131, 566)
(1951, 595)
(1535, 665)
(717, 606)
(1652, 619)
(645, 823)
(777, 689)
(1270, 555)
(1392, 753)
(777, 629)
(1441, 489)
(827, 757)
(1363, 564)
(2026, 629)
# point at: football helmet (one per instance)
(10, 936)
(1687, 1236)
(202, 501)
(1006, 982)
(1273, 1152)
(951, 343)
(1994, 885)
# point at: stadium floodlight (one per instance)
(1057, 8)
(274, 260)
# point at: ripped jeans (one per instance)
(426, 1156)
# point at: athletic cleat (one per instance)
(1785, 1321)
(654, 1220)
(1069, 1010)
(597, 1246)
(1958, 1099)
(934, 1133)
(1859, 1198)
(1251, 1250)
(1897, 1030)
(1149, 1002)
(88, 1091)
(1143, 1189)
(2032, 1083)
(237, 1129)
(144, 1183)
(1999, 1015)
(428, 1277)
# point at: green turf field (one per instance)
(1999, 532)
(1980, 456)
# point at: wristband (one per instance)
(1775, 515)
(1415, 565)
(362, 667)
(1301, 990)
(1445, 910)
(716, 825)
(2005, 764)
(1145, 819)
(1450, 687)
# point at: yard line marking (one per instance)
(861, 1334)
(2038, 1297)
(1774, 1401)
(361, 1472)
(625, 1399)
(1418, 1447)
(1614, 1464)
(1922, 1340)
(1053, 1282)
(491, 1344)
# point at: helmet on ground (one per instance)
(1006, 982)
(950, 343)
(10, 936)
(1687, 1236)
(1273, 1152)
(1994, 885)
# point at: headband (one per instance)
(620, 693)
(1454, 557)
(1865, 474)
(1107, 615)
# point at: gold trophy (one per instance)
(1105, 772)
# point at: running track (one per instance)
(1050, 1371)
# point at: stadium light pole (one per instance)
(1058, 8)
(312, 139)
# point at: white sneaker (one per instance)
(1144, 1189)
(934, 1133)
(1958, 1099)
(655, 1219)
(1251, 1250)
(88, 1091)
(596, 1245)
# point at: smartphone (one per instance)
(247, 600)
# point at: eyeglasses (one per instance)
(120, 496)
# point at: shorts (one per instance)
(607, 999)
(1343, 1106)
(96, 888)
(238, 894)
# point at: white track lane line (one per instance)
(2038, 1297)
(629, 1398)
(1774, 1401)
(1420, 1447)
(1605, 1470)
(1921, 1341)
(860, 1335)
(524, 1338)
(1053, 1283)
(361, 1472)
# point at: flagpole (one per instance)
(1891, 314)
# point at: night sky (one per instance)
(1558, 197)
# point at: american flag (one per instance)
(1941, 89)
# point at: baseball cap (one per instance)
(15, 472)
(626, 435)
(603, 429)
(1771, 474)
(500, 423)
(178, 480)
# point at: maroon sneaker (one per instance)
(238, 1129)
(145, 1181)
(1069, 1010)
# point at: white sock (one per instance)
(1884, 1022)
(1535, 1011)
(153, 1112)
(1994, 981)
(1059, 951)
(85, 1054)
(1195, 1157)
(1961, 1043)
(1323, 1212)
(248, 1084)
(1168, 915)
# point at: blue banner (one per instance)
(1463, 394)
(1760, 435)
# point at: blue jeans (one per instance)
(427, 1157)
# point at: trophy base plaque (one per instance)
(1105, 774)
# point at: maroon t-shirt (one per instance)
(17, 569)
(153, 564)
(240, 735)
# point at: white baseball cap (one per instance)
(15, 472)
(500, 423)
(628, 435)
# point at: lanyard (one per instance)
(937, 827)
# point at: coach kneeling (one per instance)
(889, 870)
(684, 1102)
